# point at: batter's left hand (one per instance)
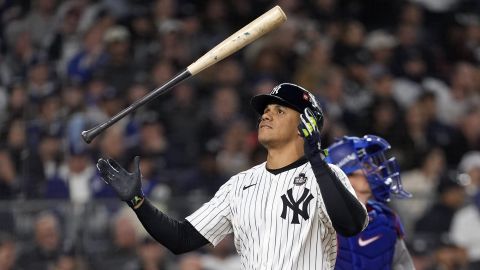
(310, 132)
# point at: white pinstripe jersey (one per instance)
(279, 220)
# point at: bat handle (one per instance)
(89, 135)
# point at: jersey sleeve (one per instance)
(213, 219)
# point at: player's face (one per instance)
(360, 184)
(278, 126)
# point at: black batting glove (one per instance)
(128, 186)
(310, 132)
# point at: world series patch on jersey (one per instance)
(279, 220)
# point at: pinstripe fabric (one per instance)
(250, 206)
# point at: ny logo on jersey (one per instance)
(289, 201)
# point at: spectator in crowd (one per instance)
(8, 252)
(437, 219)
(420, 181)
(122, 254)
(90, 58)
(153, 256)
(467, 219)
(118, 70)
(47, 245)
(190, 261)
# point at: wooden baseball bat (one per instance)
(252, 31)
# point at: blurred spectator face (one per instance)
(45, 6)
(164, 9)
(73, 98)
(320, 53)
(190, 262)
(411, 14)
(65, 263)
(124, 233)
(117, 41)
(216, 11)
(17, 98)
(7, 168)
(7, 254)
(119, 49)
(184, 95)
(435, 161)
(407, 35)
(47, 233)
(113, 143)
(429, 106)
(415, 67)
(78, 163)
(235, 137)
(111, 105)
(152, 137)
(230, 73)
(162, 72)
(93, 38)
(470, 125)
(415, 117)
(225, 104)
(137, 91)
(16, 134)
(451, 258)
(71, 20)
(96, 88)
(23, 44)
(267, 61)
(287, 36)
(334, 86)
(151, 251)
(39, 73)
(384, 115)
(50, 108)
(143, 27)
(147, 167)
(49, 148)
(354, 34)
(383, 85)
(454, 196)
(463, 80)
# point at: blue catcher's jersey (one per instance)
(374, 247)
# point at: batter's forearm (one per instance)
(347, 214)
(178, 236)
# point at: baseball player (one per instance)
(374, 178)
(284, 213)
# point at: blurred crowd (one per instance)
(408, 71)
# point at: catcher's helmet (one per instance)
(292, 96)
(368, 154)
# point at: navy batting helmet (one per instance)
(292, 96)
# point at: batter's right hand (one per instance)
(128, 186)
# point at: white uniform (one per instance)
(279, 221)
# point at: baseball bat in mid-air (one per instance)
(252, 31)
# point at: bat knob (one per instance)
(86, 136)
